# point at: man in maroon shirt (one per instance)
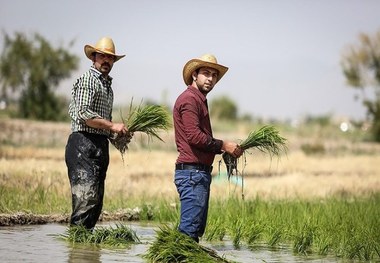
(195, 143)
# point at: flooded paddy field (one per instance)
(42, 243)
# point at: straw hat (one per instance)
(206, 60)
(105, 45)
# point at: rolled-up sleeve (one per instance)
(84, 93)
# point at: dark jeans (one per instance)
(87, 159)
(193, 187)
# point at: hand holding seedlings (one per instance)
(267, 139)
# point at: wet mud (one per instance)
(21, 218)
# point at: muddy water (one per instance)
(40, 243)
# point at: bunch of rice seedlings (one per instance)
(149, 119)
(119, 236)
(173, 246)
(266, 139)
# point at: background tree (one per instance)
(223, 108)
(361, 67)
(30, 70)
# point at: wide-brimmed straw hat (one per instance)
(206, 60)
(105, 45)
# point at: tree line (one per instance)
(31, 70)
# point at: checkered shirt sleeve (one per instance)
(91, 97)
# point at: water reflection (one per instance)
(84, 254)
(41, 244)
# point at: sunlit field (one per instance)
(322, 197)
(32, 156)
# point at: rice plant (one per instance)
(119, 236)
(173, 246)
(275, 237)
(215, 230)
(148, 119)
(267, 139)
(304, 240)
(253, 233)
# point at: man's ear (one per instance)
(194, 75)
(93, 57)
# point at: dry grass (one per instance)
(149, 172)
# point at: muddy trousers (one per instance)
(87, 159)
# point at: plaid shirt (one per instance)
(91, 97)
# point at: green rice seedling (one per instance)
(173, 246)
(323, 244)
(303, 241)
(275, 237)
(267, 139)
(237, 233)
(361, 247)
(215, 230)
(149, 119)
(254, 232)
(119, 236)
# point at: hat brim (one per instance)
(194, 64)
(89, 50)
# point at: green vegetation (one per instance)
(172, 246)
(119, 236)
(30, 72)
(148, 119)
(33, 198)
(266, 139)
(346, 227)
(361, 67)
(224, 108)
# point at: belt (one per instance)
(193, 166)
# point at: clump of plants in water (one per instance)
(347, 228)
(173, 246)
(118, 236)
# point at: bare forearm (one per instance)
(99, 123)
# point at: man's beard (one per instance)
(105, 67)
(205, 90)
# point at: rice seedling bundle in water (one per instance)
(267, 139)
(148, 119)
(173, 246)
(118, 236)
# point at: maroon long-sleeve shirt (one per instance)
(193, 133)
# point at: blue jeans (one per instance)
(193, 187)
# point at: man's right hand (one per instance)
(119, 128)
(232, 148)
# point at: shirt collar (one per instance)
(197, 92)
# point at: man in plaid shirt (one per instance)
(87, 149)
